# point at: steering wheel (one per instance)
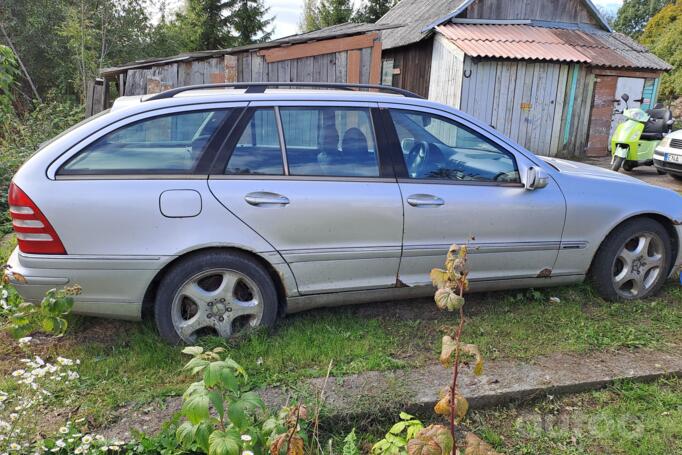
(417, 156)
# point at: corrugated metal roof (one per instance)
(530, 42)
(417, 15)
(335, 31)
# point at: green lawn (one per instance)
(627, 418)
(127, 363)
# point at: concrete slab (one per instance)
(358, 399)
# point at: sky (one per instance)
(287, 13)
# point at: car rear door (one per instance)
(309, 178)
(461, 186)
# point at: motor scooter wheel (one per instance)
(617, 163)
(628, 167)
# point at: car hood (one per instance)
(587, 170)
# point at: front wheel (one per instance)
(214, 293)
(617, 163)
(633, 261)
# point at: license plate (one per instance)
(673, 158)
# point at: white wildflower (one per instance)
(87, 439)
(246, 438)
(63, 430)
(18, 373)
(24, 340)
(60, 443)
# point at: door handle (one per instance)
(424, 200)
(264, 198)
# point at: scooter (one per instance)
(634, 141)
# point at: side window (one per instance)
(258, 151)
(330, 141)
(438, 148)
(171, 143)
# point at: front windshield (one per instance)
(637, 115)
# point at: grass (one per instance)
(626, 418)
(127, 364)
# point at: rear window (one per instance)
(172, 143)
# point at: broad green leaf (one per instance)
(202, 435)
(193, 350)
(252, 401)
(237, 414)
(223, 443)
(406, 416)
(213, 372)
(195, 407)
(398, 428)
(216, 399)
(185, 434)
(229, 380)
(196, 365)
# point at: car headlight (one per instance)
(665, 142)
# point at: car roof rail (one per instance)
(260, 87)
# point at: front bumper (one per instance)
(667, 166)
(111, 287)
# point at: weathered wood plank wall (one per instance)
(550, 10)
(446, 72)
(537, 104)
(411, 66)
(352, 65)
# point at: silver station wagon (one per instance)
(218, 208)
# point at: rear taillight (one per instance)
(35, 234)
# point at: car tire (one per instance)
(617, 162)
(215, 292)
(660, 172)
(676, 176)
(624, 268)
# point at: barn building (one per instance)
(547, 73)
(346, 53)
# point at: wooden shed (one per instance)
(548, 74)
(348, 53)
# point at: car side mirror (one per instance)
(536, 178)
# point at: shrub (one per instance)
(20, 138)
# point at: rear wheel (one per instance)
(215, 293)
(633, 262)
(617, 162)
(629, 166)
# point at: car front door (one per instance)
(460, 186)
(310, 180)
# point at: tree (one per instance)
(663, 36)
(372, 10)
(310, 17)
(333, 12)
(250, 23)
(633, 16)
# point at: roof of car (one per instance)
(244, 93)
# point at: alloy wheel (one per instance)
(638, 265)
(217, 301)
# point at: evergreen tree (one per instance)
(310, 17)
(633, 16)
(332, 12)
(250, 23)
(372, 10)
